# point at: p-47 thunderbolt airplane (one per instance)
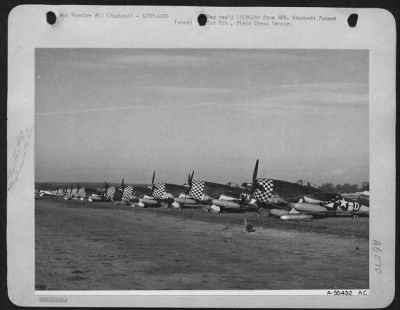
(124, 194)
(43, 193)
(75, 192)
(159, 195)
(102, 194)
(272, 196)
(258, 196)
(268, 196)
(203, 194)
(111, 193)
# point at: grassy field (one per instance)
(83, 246)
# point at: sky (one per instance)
(112, 113)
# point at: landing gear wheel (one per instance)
(176, 205)
(265, 213)
(215, 210)
(164, 205)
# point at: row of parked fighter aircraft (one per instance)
(286, 200)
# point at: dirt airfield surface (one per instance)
(99, 246)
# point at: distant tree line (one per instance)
(344, 188)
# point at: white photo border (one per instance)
(28, 30)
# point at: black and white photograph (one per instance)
(206, 169)
(200, 157)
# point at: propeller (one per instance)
(106, 186)
(190, 181)
(152, 183)
(254, 181)
(103, 194)
(122, 184)
(188, 184)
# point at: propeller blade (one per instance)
(255, 172)
(191, 178)
(189, 183)
(152, 183)
(122, 184)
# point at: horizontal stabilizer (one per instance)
(225, 203)
(226, 197)
(312, 200)
(308, 207)
(296, 217)
(185, 200)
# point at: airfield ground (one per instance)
(84, 246)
